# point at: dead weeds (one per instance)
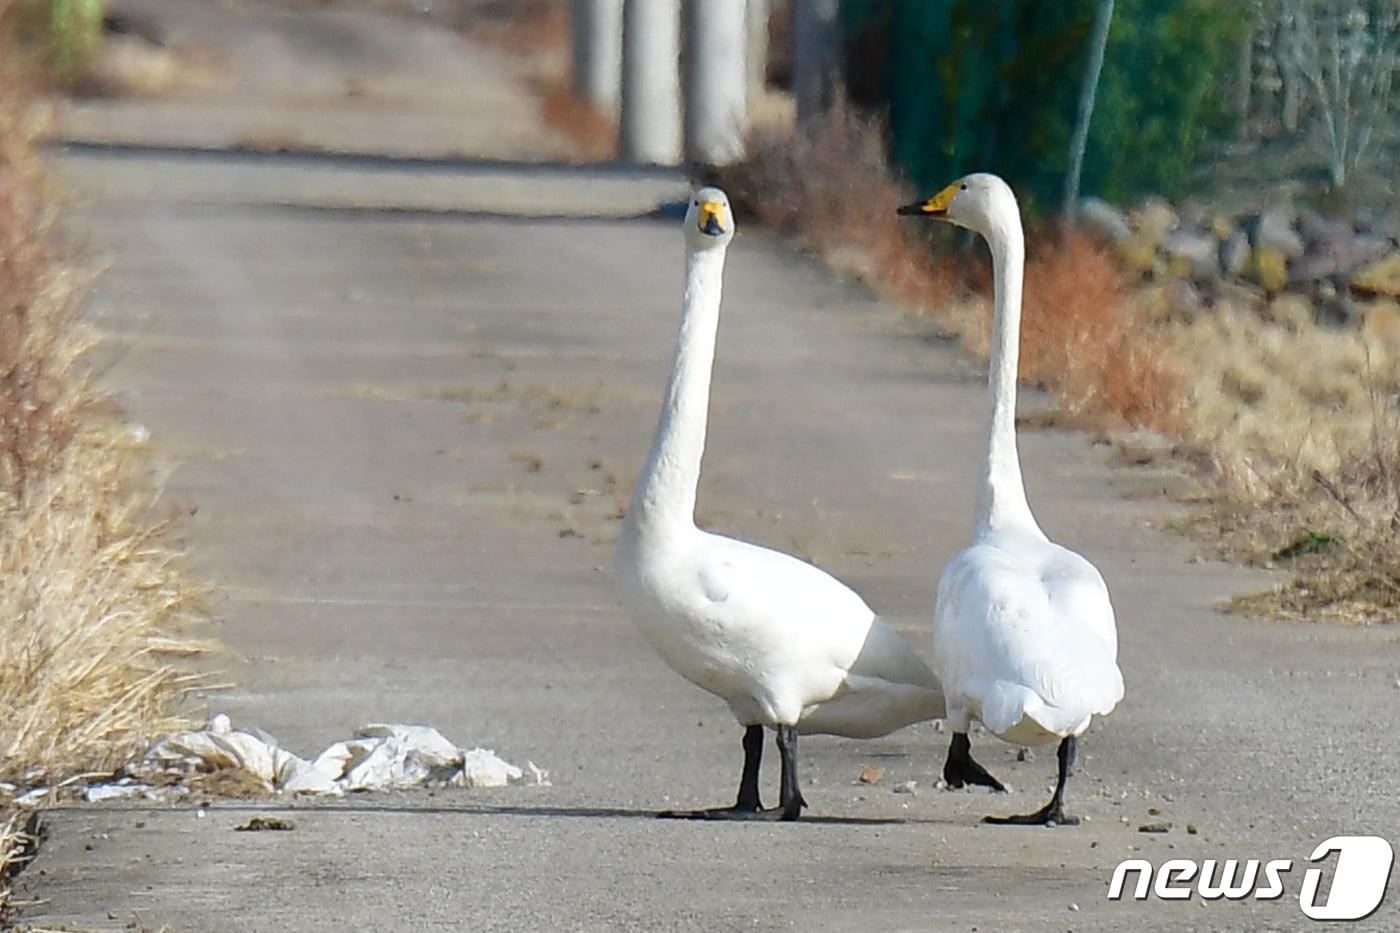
(1082, 338)
(1303, 429)
(93, 603)
(1299, 432)
(19, 839)
(1292, 433)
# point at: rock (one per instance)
(905, 787)
(1321, 262)
(1239, 295)
(1380, 278)
(1273, 229)
(1337, 257)
(1385, 224)
(1139, 253)
(260, 824)
(1234, 253)
(1192, 252)
(1338, 311)
(869, 775)
(1318, 228)
(1160, 826)
(1102, 218)
(1184, 300)
(1223, 228)
(1268, 268)
(1154, 219)
(1381, 321)
(1370, 247)
(1293, 311)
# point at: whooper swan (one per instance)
(1023, 633)
(784, 644)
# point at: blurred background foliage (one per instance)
(994, 85)
(64, 36)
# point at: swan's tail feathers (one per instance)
(1021, 715)
(885, 655)
(1083, 682)
(868, 708)
(886, 687)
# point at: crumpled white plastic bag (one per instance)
(378, 757)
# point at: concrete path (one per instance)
(401, 429)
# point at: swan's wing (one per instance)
(1024, 634)
(756, 588)
(887, 687)
(1076, 592)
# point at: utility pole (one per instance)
(816, 42)
(597, 37)
(649, 130)
(716, 82)
(1103, 18)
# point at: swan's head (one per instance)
(708, 220)
(974, 201)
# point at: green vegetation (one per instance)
(993, 85)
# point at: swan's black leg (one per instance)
(960, 769)
(748, 784)
(790, 802)
(747, 806)
(1054, 811)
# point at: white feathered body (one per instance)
(1024, 639)
(779, 640)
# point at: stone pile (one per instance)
(1297, 266)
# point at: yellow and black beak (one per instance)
(935, 206)
(711, 218)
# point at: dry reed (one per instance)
(92, 604)
(1302, 428)
(1082, 337)
(1298, 430)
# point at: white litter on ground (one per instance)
(378, 757)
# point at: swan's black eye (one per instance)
(964, 187)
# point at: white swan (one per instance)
(784, 644)
(1023, 633)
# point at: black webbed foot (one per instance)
(748, 805)
(960, 770)
(1053, 813)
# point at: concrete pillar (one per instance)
(597, 33)
(756, 50)
(816, 54)
(716, 83)
(649, 129)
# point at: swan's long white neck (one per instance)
(1001, 493)
(665, 495)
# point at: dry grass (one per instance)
(536, 32)
(1302, 426)
(1086, 339)
(1298, 428)
(1082, 336)
(86, 636)
(832, 190)
(592, 132)
(89, 593)
(92, 602)
(19, 836)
